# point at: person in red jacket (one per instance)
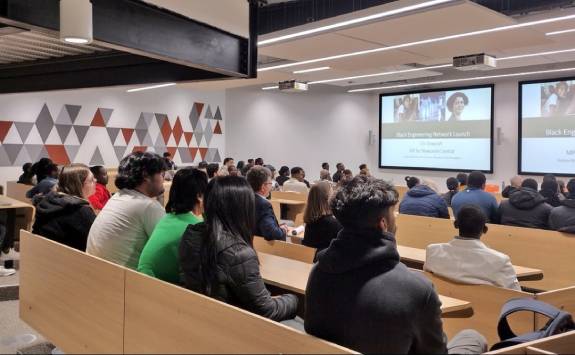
(102, 195)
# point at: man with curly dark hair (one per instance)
(125, 224)
(360, 296)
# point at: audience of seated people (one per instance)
(212, 170)
(515, 184)
(160, 256)
(562, 218)
(550, 190)
(423, 200)
(338, 173)
(346, 176)
(462, 178)
(101, 196)
(364, 170)
(170, 165)
(297, 182)
(452, 189)
(65, 215)
(240, 165)
(266, 224)
(525, 207)
(474, 194)
(321, 227)
(46, 177)
(123, 227)
(466, 259)
(362, 265)
(259, 161)
(275, 185)
(27, 177)
(218, 259)
(411, 181)
(563, 188)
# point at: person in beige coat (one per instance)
(467, 259)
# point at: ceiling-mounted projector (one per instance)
(292, 86)
(475, 62)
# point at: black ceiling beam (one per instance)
(157, 45)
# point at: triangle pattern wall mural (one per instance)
(72, 133)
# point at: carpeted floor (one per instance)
(14, 333)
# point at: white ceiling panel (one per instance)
(376, 60)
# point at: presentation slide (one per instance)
(547, 121)
(437, 130)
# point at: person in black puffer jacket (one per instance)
(525, 207)
(562, 218)
(66, 216)
(422, 200)
(217, 257)
(550, 190)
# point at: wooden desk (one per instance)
(20, 216)
(295, 209)
(292, 275)
(415, 257)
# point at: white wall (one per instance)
(127, 108)
(323, 125)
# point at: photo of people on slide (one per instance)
(406, 108)
(456, 104)
(557, 99)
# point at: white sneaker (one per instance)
(12, 255)
(6, 272)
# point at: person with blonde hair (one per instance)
(65, 216)
(320, 224)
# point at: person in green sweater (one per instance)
(160, 256)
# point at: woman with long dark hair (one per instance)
(217, 257)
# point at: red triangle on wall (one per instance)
(139, 149)
(193, 153)
(98, 120)
(58, 154)
(218, 129)
(203, 152)
(178, 131)
(188, 136)
(171, 150)
(4, 128)
(199, 107)
(127, 132)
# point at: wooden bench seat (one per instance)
(557, 344)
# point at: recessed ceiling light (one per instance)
(426, 41)
(311, 70)
(536, 54)
(151, 87)
(559, 32)
(354, 21)
(380, 74)
(465, 79)
(76, 40)
(271, 87)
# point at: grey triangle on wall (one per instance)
(97, 158)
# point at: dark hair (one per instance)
(259, 161)
(550, 186)
(325, 166)
(240, 165)
(135, 167)
(188, 185)
(471, 221)
(411, 181)
(96, 169)
(363, 201)
(363, 166)
(476, 179)
(257, 176)
(549, 177)
(167, 154)
(212, 169)
(246, 168)
(250, 161)
(42, 168)
(226, 160)
(296, 170)
(284, 171)
(452, 184)
(203, 165)
(230, 213)
(530, 183)
(462, 178)
(571, 188)
(339, 165)
(27, 167)
(452, 98)
(271, 167)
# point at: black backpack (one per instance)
(559, 322)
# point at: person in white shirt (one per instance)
(466, 259)
(224, 170)
(297, 182)
(123, 227)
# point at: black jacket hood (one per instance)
(56, 202)
(526, 199)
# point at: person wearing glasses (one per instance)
(267, 226)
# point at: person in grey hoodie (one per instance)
(562, 218)
(526, 207)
